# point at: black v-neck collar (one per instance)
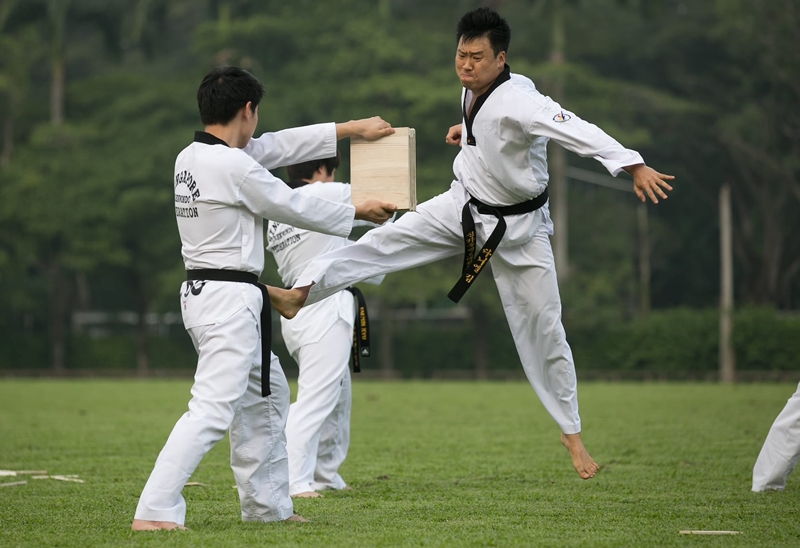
(208, 139)
(503, 77)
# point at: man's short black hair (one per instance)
(299, 172)
(484, 22)
(224, 91)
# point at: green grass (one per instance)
(431, 464)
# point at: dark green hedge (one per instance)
(676, 340)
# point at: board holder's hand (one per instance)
(367, 128)
(374, 211)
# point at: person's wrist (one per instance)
(633, 169)
(346, 129)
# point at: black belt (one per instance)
(473, 264)
(360, 330)
(209, 274)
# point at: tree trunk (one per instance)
(644, 260)
(8, 142)
(141, 336)
(387, 338)
(727, 356)
(479, 341)
(557, 155)
(57, 13)
(142, 355)
(57, 91)
(57, 315)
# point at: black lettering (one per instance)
(186, 212)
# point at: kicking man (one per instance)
(498, 198)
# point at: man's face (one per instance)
(476, 64)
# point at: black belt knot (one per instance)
(214, 275)
(473, 264)
(360, 330)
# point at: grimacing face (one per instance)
(476, 64)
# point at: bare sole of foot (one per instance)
(147, 525)
(288, 302)
(584, 465)
(297, 518)
(307, 495)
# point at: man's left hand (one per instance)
(647, 182)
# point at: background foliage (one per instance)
(97, 98)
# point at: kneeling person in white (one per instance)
(319, 339)
(222, 195)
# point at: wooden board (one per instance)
(385, 169)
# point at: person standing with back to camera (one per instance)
(223, 192)
(499, 198)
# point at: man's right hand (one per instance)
(375, 211)
(453, 136)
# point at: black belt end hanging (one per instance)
(361, 347)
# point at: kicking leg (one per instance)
(417, 238)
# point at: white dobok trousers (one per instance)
(525, 276)
(318, 429)
(781, 449)
(226, 397)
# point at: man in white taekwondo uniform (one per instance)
(499, 197)
(320, 339)
(222, 195)
(781, 449)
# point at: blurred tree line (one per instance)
(98, 96)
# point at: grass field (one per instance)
(431, 464)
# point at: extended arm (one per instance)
(302, 144)
(267, 196)
(586, 139)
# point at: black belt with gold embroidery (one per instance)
(473, 264)
(214, 275)
(360, 330)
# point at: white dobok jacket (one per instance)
(223, 194)
(503, 158)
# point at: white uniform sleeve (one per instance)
(293, 146)
(582, 138)
(267, 196)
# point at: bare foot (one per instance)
(583, 463)
(297, 518)
(147, 525)
(288, 301)
(307, 495)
